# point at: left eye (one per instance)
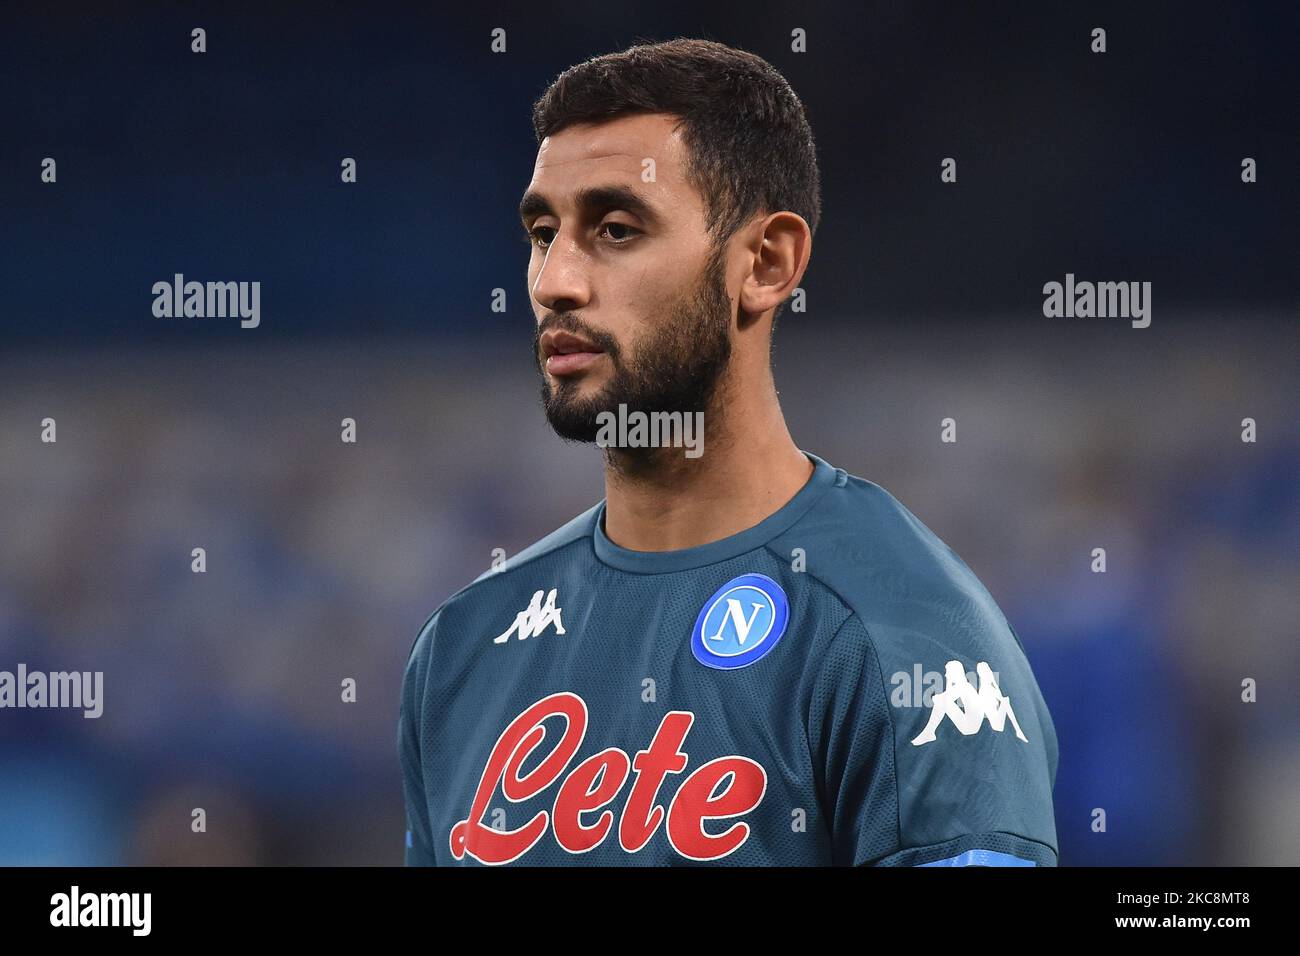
(619, 225)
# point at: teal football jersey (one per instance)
(832, 686)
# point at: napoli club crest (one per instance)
(740, 623)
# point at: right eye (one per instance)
(535, 237)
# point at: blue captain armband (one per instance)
(981, 858)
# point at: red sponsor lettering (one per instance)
(723, 788)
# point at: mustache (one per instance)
(569, 322)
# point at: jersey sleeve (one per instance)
(419, 842)
(901, 788)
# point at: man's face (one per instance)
(629, 293)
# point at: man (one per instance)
(736, 656)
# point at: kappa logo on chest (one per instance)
(534, 619)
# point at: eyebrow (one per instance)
(593, 199)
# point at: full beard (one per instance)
(675, 367)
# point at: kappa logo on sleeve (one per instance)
(532, 620)
(967, 707)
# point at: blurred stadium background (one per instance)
(222, 690)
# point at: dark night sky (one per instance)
(225, 166)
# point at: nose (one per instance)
(562, 283)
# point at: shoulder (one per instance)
(887, 566)
(918, 604)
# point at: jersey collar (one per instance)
(661, 562)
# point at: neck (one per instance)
(749, 469)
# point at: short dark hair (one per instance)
(750, 146)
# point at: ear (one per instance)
(780, 249)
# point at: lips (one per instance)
(567, 354)
(565, 343)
